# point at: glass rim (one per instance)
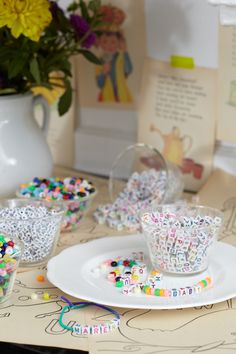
(192, 227)
(61, 201)
(26, 202)
(123, 152)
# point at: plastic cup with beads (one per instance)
(36, 224)
(74, 193)
(180, 237)
(11, 253)
(139, 177)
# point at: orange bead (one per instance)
(40, 278)
(162, 292)
(209, 281)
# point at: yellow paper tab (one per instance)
(182, 62)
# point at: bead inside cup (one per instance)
(73, 193)
(139, 177)
(36, 223)
(11, 252)
(179, 237)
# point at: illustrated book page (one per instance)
(177, 116)
(120, 47)
(227, 84)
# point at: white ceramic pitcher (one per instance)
(24, 152)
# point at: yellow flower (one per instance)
(51, 95)
(27, 17)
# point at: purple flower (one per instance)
(82, 27)
(56, 11)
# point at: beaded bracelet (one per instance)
(89, 329)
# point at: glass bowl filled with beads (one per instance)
(11, 252)
(36, 224)
(139, 177)
(75, 194)
(180, 237)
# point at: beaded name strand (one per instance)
(89, 329)
(132, 277)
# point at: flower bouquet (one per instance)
(37, 40)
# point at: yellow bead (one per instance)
(135, 278)
(46, 296)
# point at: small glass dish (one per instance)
(145, 159)
(75, 211)
(57, 190)
(36, 224)
(11, 252)
(179, 237)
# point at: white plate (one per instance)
(72, 271)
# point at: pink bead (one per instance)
(111, 277)
(167, 293)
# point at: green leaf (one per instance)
(16, 66)
(7, 91)
(94, 5)
(90, 56)
(34, 69)
(72, 7)
(65, 101)
(84, 10)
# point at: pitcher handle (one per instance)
(189, 145)
(40, 100)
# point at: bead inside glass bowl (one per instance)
(179, 237)
(36, 224)
(139, 177)
(156, 179)
(11, 252)
(75, 194)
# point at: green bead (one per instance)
(119, 284)
(2, 265)
(204, 283)
(2, 239)
(5, 286)
(132, 263)
(157, 292)
(145, 288)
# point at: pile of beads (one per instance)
(139, 193)
(132, 277)
(10, 253)
(75, 193)
(179, 243)
(37, 226)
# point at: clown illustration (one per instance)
(112, 74)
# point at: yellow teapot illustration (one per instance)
(175, 146)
